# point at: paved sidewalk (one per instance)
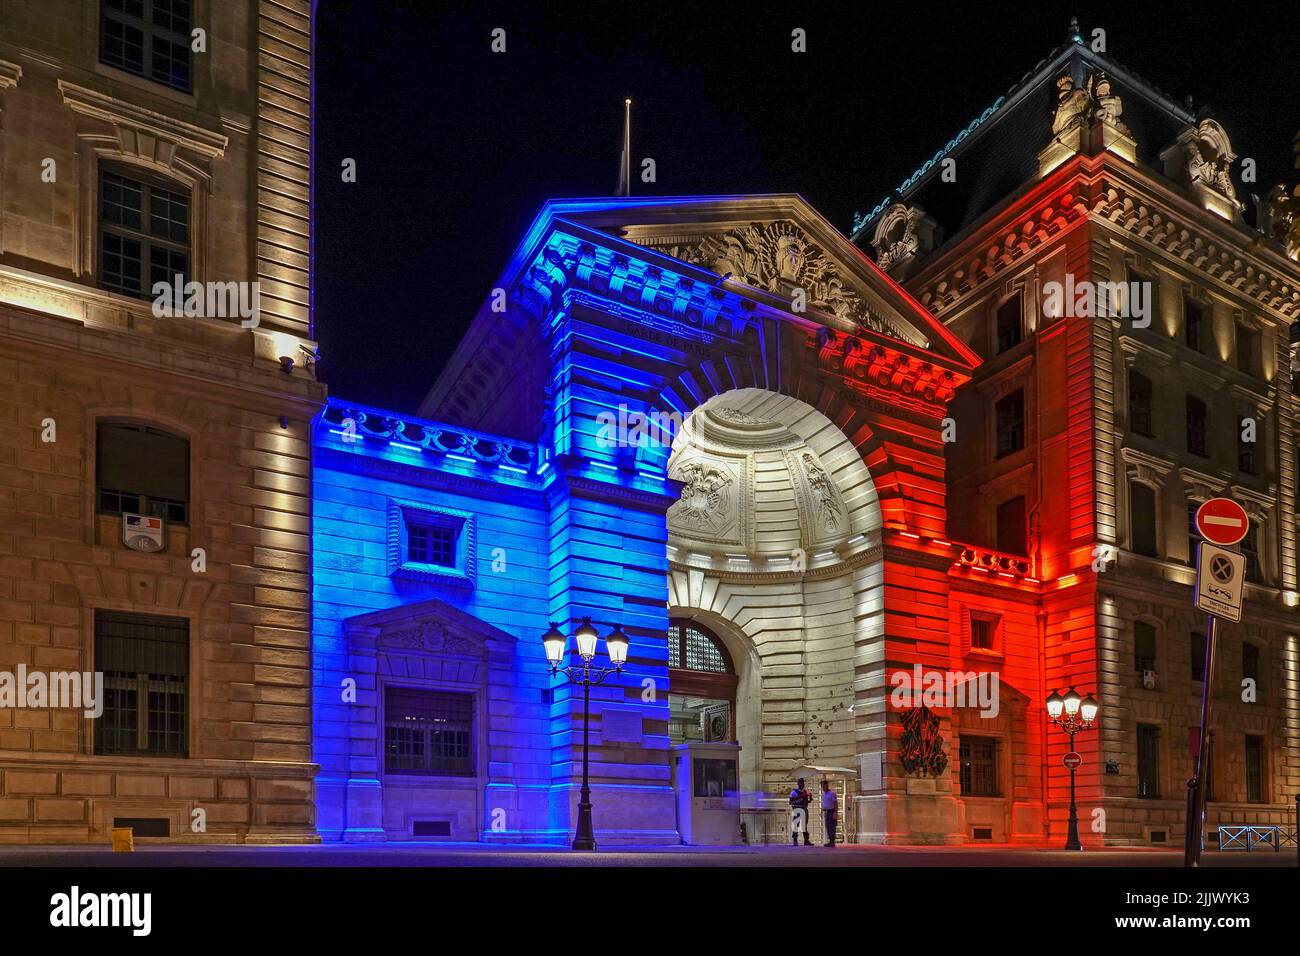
(472, 854)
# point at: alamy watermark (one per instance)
(60, 690)
(634, 429)
(923, 688)
(1125, 300)
(209, 300)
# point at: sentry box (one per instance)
(706, 779)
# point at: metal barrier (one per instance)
(1249, 837)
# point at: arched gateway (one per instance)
(720, 413)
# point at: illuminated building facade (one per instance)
(133, 149)
(1092, 430)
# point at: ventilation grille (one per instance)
(145, 826)
(982, 833)
(431, 828)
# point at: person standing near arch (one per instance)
(830, 811)
(800, 797)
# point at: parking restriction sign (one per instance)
(1220, 580)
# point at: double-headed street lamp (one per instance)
(1072, 714)
(585, 636)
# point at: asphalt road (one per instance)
(424, 854)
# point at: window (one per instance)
(428, 732)
(1010, 322)
(1148, 757)
(145, 663)
(1193, 536)
(703, 679)
(1142, 518)
(1144, 647)
(1146, 289)
(983, 629)
(1193, 321)
(144, 234)
(150, 38)
(1139, 404)
(140, 470)
(427, 542)
(430, 544)
(1010, 415)
(1247, 460)
(1198, 656)
(1196, 426)
(979, 767)
(1250, 548)
(1254, 769)
(1247, 349)
(692, 648)
(1011, 532)
(1250, 662)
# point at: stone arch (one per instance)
(797, 597)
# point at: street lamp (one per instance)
(1072, 714)
(585, 637)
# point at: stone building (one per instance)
(1087, 236)
(155, 481)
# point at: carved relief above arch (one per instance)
(1200, 160)
(902, 234)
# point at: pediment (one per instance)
(781, 247)
(430, 627)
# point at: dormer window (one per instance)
(150, 38)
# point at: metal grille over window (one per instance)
(145, 662)
(979, 767)
(695, 648)
(150, 38)
(428, 732)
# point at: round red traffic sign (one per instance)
(1222, 521)
(1072, 760)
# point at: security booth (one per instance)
(706, 780)
(843, 781)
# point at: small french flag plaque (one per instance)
(142, 533)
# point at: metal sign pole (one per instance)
(1196, 797)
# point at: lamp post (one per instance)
(585, 674)
(1072, 714)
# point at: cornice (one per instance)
(10, 74)
(1132, 346)
(129, 116)
(1117, 195)
(820, 573)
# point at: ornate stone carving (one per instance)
(829, 513)
(431, 636)
(779, 258)
(736, 417)
(1280, 218)
(706, 498)
(902, 233)
(1079, 107)
(1201, 159)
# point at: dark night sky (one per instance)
(457, 147)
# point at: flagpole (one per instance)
(627, 147)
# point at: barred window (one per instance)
(141, 470)
(428, 732)
(692, 648)
(144, 234)
(1198, 656)
(1142, 518)
(150, 38)
(1193, 535)
(979, 767)
(1012, 527)
(1254, 769)
(1247, 459)
(145, 663)
(1250, 548)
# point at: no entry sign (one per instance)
(1222, 521)
(1072, 760)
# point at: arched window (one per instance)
(701, 685)
(693, 648)
(141, 470)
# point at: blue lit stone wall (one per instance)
(359, 471)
